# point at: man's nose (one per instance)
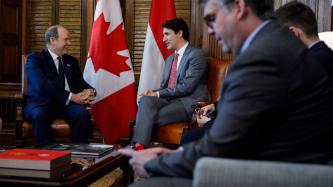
(210, 30)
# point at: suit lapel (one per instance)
(49, 61)
(183, 61)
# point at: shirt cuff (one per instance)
(158, 94)
(69, 98)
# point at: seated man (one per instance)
(276, 102)
(204, 119)
(56, 89)
(183, 85)
(301, 20)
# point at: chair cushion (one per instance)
(60, 128)
(171, 133)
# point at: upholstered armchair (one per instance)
(172, 133)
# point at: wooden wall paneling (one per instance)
(141, 15)
(70, 18)
(40, 15)
(10, 42)
(24, 27)
(128, 24)
(87, 20)
(196, 25)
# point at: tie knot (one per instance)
(59, 58)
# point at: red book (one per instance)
(36, 159)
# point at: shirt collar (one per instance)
(53, 55)
(314, 43)
(249, 39)
(181, 51)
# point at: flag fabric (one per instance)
(155, 51)
(108, 69)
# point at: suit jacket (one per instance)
(191, 82)
(324, 55)
(43, 84)
(276, 105)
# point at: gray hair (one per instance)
(51, 32)
(264, 9)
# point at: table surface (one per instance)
(78, 175)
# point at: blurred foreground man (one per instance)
(276, 102)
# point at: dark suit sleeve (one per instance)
(252, 92)
(79, 83)
(38, 79)
(193, 74)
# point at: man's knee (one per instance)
(79, 111)
(146, 100)
(84, 113)
(38, 114)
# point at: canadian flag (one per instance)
(155, 51)
(108, 69)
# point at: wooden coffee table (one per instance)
(78, 176)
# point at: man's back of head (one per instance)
(300, 19)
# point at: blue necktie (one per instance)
(61, 74)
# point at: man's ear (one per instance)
(52, 39)
(297, 31)
(180, 34)
(241, 8)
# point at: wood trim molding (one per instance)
(55, 12)
(196, 24)
(84, 37)
(129, 24)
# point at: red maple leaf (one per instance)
(104, 47)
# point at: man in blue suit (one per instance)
(301, 20)
(56, 89)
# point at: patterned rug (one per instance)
(108, 179)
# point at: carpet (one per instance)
(108, 180)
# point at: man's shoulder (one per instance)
(34, 54)
(194, 50)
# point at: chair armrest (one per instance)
(201, 104)
(241, 173)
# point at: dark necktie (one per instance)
(173, 72)
(61, 74)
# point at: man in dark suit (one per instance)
(183, 85)
(56, 89)
(301, 20)
(276, 102)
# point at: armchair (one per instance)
(216, 71)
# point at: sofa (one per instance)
(240, 173)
